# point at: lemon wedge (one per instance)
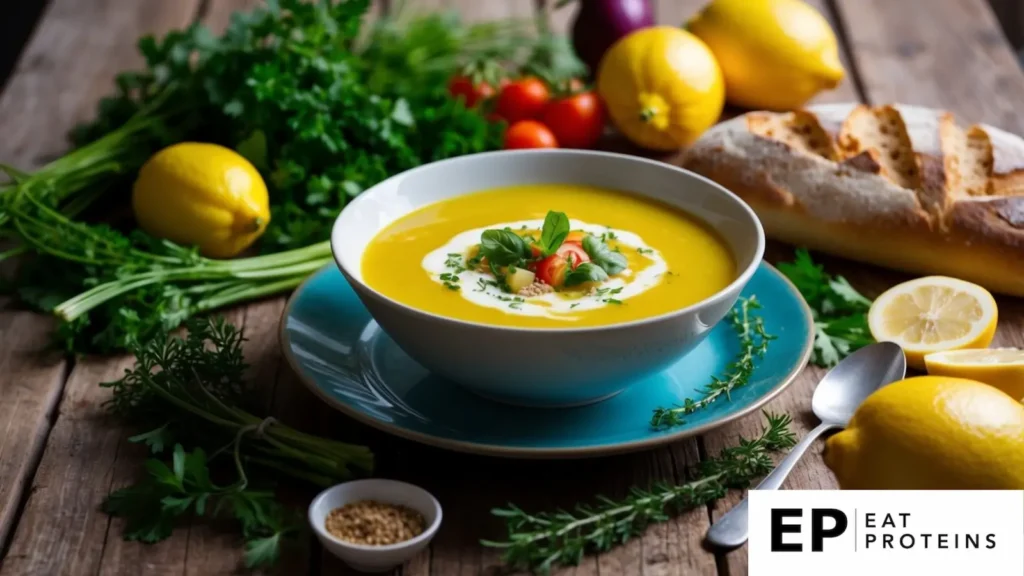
(934, 314)
(1002, 368)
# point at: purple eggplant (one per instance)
(600, 23)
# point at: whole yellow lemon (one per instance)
(662, 87)
(203, 195)
(932, 433)
(775, 54)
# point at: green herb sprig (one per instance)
(753, 346)
(840, 311)
(194, 389)
(168, 493)
(545, 540)
(111, 291)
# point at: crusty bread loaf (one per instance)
(898, 186)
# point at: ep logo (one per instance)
(824, 523)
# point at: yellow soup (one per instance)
(673, 260)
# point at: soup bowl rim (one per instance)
(729, 291)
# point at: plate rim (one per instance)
(523, 452)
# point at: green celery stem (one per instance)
(287, 268)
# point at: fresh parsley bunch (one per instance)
(840, 311)
(285, 85)
(191, 391)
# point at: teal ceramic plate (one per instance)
(347, 360)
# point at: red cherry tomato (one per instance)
(551, 270)
(529, 134)
(522, 99)
(571, 250)
(574, 253)
(577, 121)
(472, 94)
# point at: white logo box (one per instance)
(926, 533)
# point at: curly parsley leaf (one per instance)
(840, 311)
(556, 228)
(585, 272)
(611, 261)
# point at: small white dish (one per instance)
(375, 558)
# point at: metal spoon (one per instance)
(835, 400)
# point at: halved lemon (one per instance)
(934, 314)
(999, 367)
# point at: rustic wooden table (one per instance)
(59, 454)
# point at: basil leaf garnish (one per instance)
(503, 247)
(611, 261)
(556, 228)
(586, 272)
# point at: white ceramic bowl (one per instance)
(568, 366)
(375, 558)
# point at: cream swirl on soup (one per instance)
(646, 270)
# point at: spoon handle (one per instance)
(731, 529)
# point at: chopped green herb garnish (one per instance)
(612, 301)
(642, 250)
(454, 260)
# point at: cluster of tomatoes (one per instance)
(538, 116)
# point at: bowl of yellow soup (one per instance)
(547, 277)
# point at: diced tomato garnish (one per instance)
(551, 270)
(574, 253)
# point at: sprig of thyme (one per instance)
(542, 541)
(753, 345)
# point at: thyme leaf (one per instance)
(545, 540)
(753, 345)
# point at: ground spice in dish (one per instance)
(373, 523)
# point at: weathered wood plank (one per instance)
(30, 388)
(16, 28)
(61, 529)
(70, 61)
(949, 54)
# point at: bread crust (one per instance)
(851, 208)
